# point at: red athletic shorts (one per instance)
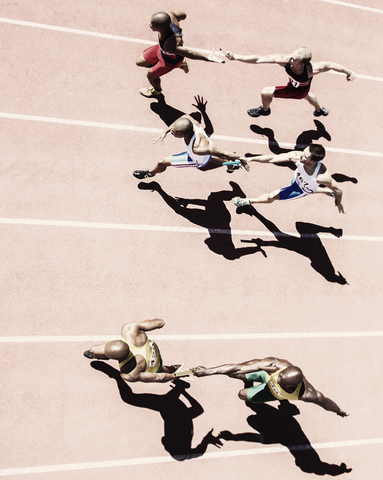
(290, 92)
(153, 56)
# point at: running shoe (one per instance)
(258, 112)
(140, 174)
(241, 202)
(323, 111)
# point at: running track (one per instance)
(85, 250)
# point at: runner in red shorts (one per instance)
(169, 53)
(300, 70)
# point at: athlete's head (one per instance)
(182, 127)
(160, 20)
(117, 350)
(290, 377)
(317, 152)
(302, 54)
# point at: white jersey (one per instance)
(307, 183)
(200, 160)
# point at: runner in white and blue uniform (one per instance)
(200, 150)
(309, 176)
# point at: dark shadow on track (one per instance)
(308, 244)
(303, 141)
(177, 416)
(169, 114)
(278, 426)
(213, 215)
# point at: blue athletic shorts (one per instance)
(183, 160)
(292, 192)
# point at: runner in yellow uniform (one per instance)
(278, 380)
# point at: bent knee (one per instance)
(242, 394)
(269, 91)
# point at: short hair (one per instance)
(161, 19)
(304, 54)
(317, 152)
(183, 125)
(117, 350)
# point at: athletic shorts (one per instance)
(183, 160)
(159, 67)
(260, 393)
(292, 192)
(289, 91)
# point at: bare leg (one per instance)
(267, 96)
(161, 165)
(312, 99)
(155, 82)
(242, 394)
(266, 197)
(99, 351)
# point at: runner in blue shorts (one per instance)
(199, 150)
(309, 174)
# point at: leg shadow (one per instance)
(211, 214)
(278, 426)
(308, 244)
(177, 416)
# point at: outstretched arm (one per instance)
(320, 67)
(314, 396)
(281, 158)
(239, 370)
(278, 58)
(147, 377)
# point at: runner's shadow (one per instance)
(278, 425)
(303, 141)
(308, 244)
(169, 114)
(213, 215)
(177, 416)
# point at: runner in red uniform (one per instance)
(300, 70)
(169, 53)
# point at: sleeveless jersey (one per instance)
(149, 351)
(278, 391)
(199, 159)
(171, 57)
(298, 81)
(307, 183)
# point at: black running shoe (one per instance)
(140, 174)
(323, 111)
(92, 356)
(258, 112)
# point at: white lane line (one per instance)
(132, 128)
(163, 228)
(75, 30)
(148, 42)
(190, 337)
(352, 5)
(168, 459)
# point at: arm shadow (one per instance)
(278, 426)
(212, 214)
(169, 114)
(177, 416)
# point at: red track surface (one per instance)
(70, 281)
